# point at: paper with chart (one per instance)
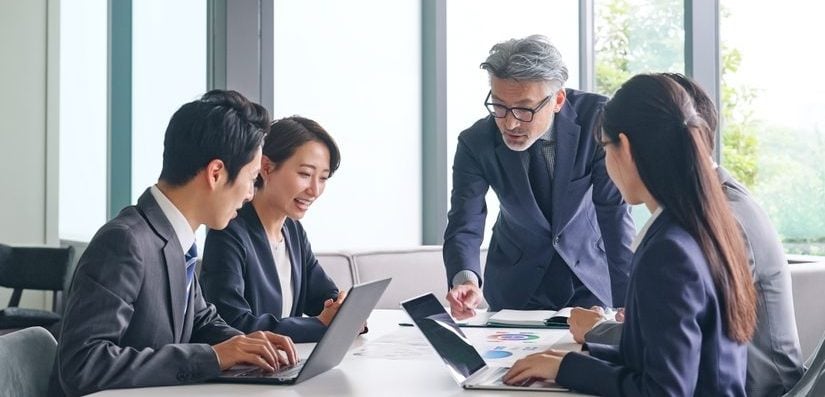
(501, 348)
(498, 347)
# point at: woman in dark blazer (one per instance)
(691, 304)
(260, 272)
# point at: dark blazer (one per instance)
(674, 341)
(240, 278)
(124, 323)
(774, 356)
(591, 231)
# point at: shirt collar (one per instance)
(639, 237)
(186, 237)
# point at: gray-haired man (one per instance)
(562, 237)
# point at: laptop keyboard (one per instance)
(287, 372)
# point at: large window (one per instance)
(473, 26)
(355, 68)
(637, 36)
(168, 70)
(772, 106)
(82, 192)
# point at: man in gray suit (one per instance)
(135, 315)
(774, 355)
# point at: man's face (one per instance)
(230, 196)
(519, 135)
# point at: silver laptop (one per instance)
(465, 364)
(329, 351)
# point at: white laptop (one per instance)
(465, 364)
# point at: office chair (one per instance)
(28, 356)
(812, 382)
(38, 268)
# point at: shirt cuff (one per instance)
(217, 357)
(465, 276)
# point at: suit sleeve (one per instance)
(606, 333)
(670, 297)
(616, 226)
(468, 212)
(224, 284)
(98, 312)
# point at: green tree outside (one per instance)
(634, 36)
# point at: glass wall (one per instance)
(83, 48)
(355, 68)
(637, 36)
(772, 106)
(473, 26)
(168, 70)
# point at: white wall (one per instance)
(24, 143)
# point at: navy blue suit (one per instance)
(674, 341)
(239, 277)
(529, 258)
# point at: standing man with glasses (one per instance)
(135, 315)
(562, 237)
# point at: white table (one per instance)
(368, 371)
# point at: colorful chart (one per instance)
(503, 336)
(495, 354)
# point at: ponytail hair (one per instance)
(673, 157)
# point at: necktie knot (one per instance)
(191, 254)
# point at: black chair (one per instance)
(36, 268)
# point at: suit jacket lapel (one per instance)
(512, 166)
(263, 247)
(172, 254)
(567, 144)
(296, 268)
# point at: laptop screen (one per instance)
(444, 335)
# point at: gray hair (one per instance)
(530, 58)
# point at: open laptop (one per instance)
(329, 351)
(465, 364)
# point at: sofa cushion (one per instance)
(338, 266)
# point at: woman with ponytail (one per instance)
(691, 304)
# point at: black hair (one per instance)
(288, 134)
(669, 146)
(701, 101)
(221, 125)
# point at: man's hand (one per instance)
(331, 308)
(620, 315)
(582, 320)
(544, 365)
(463, 300)
(262, 348)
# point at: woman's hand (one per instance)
(544, 365)
(331, 308)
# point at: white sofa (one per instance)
(808, 278)
(414, 271)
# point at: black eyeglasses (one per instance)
(499, 111)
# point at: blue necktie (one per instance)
(541, 153)
(191, 259)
